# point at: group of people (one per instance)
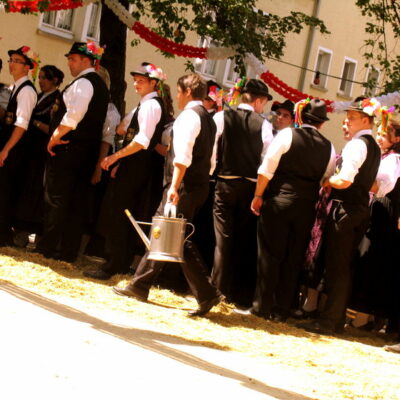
(265, 194)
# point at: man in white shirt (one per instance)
(284, 115)
(138, 165)
(74, 145)
(18, 114)
(289, 179)
(193, 143)
(349, 215)
(243, 137)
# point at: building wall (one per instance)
(345, 40)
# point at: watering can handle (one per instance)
(191, 233)
(169, 210)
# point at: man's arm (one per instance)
(16, 135)
(132, 148)
(56, 138)
(262, 183)
(179, 173)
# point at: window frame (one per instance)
(355, 63)
(324, 73)
(371, 67)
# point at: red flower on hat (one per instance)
(25, 49)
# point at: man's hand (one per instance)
(108, 161)
(3, 156)
(55, 141)
(96, 177)
(173, 196)
(114, 171)
(256, 205)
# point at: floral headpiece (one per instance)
(92, 50)
(386, 112)
(155, 72)
(370, 106)
(298, 109)
(36, 63)
(217, 94)
(233, 96)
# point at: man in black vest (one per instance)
(139, 164)
(18, 114)
(192, 149)
(284, 115)
(243, 137)
(76, 128)
(349, 216)
(295, 165)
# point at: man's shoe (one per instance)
(278, 318)
(317, 327)
(206, 306)
(250, 311)
(99, 274)
(395, 348)
(129, 293)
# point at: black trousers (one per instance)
(284, 228)
(344, 230)
(127, 191)
(67, 182)
(10, 178)
(194, 269)
(235, 261)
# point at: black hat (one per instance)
(364, 105)
(22, 51)
(257, 87)
(150, 71)
(315, 110)
(211, 84)
(287, 105)
(82, 49)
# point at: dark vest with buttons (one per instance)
(11, 116)
(358, 192)
(198, 173)
(240, 146)
(89, 130)
(302, 167)
(133, 128)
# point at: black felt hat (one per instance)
(81, 49)
(315, 110)
(287, 105)
(257, 87)
(22, 51)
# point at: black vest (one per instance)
(302, 167)
(133, 128)
(90, 128)
(358, 192)
(11, 115)
(240, 146)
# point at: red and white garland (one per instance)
(42, 5)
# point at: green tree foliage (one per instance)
(383, 23)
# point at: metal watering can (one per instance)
(167, 235)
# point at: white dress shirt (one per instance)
(266, 135)
(186, 129)
(149, 116)
(110, 124)
(388, 174)
(354, 154)
(26, 102)
(281, 145)
(77, 98)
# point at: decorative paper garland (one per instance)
(42, 5)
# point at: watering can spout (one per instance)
(139, 230)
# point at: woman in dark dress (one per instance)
(377, 280)
(29, 216)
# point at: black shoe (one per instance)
(251, 311)
(318, 327)
(205, 306)
(99, 274)
(126, 291)
(278, 318)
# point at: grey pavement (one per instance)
(50, 350)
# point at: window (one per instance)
(320, 79)
(94, 21)
(206, 67)
(349, 70)
(230, 75)
(58, 22)
(372, 82)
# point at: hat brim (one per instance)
(276, 107)
(79, 53)
(353, 108)
(133, 73)
(27, 59)
(315, 118)
(263, 94)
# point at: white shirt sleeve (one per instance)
(186, 129)
(110, 124)
(77, 98)
(149, 116)
(26, 102)
(330, 168)
(127, 119)
(267, 136)
(388, 174)
(279, 146)
(353, 156)
(219, 122)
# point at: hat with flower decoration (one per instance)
(24, 52)
(368, 106)
(150, 71)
